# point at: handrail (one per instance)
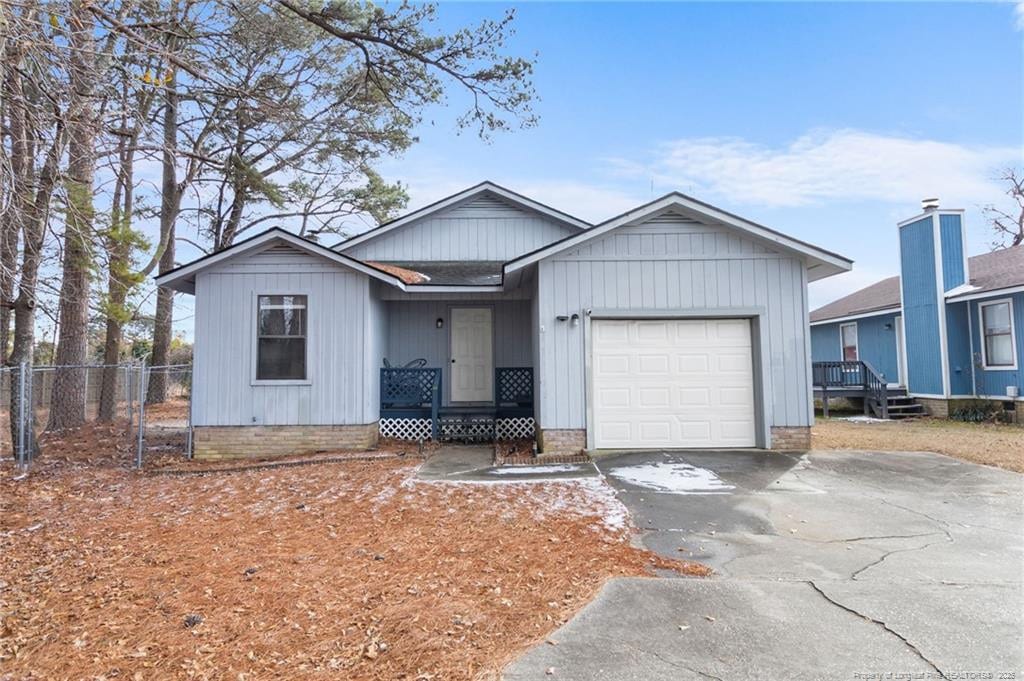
(876, 385)
(853, 374)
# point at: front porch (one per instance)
(411, 407)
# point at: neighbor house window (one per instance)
(997, 342)
(848, 337)
(281, 338)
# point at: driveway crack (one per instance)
(880, 623)
(881, 559)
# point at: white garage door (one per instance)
(672, 383)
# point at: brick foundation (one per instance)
(935, 407)
(251, 442)
(561, 441)
(791, 437)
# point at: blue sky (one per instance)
(827, 121)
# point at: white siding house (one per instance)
(674, 325)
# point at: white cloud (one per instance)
(1018, 10)
(823, 166)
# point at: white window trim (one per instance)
(842, 344)
(981, 335)
(255, 340)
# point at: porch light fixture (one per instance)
(575, 319)
(439, 323)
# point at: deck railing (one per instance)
(852, 375)
(411, 392)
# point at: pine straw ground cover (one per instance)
(351, 570)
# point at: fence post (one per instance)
(128, 393)
(142, 412)
(30, 428)
(21, 417)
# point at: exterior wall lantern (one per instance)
(439, 323)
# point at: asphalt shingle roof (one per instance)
(461, 273)
(989, 272)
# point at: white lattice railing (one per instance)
(515, 428)
(406, 429)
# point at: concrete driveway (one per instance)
(831, 565)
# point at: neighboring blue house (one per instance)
(954, 329)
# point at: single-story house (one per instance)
(948, 327)
(487, 313)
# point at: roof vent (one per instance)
(929, 204)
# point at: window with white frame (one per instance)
(848, 338)
(281, 338)
(997, 341)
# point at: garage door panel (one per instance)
(653, 364)
(681, 383)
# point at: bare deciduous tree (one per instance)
(1008, 224)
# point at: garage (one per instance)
(679, 383)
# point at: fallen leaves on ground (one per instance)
(992, 444)
(331, 570)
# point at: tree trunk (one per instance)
(170, 203)
(68, 405)
(32, 220)
(118, 280)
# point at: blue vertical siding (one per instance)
(958, 344)
(993, 383)
(876, 343)
(953, 274)
(921, 307)
(825, 343)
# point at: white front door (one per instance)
(901, 359)
(472, 360)
(673, 383)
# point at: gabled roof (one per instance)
(485, 187)
(989, 273)
(184, 278)
(997, 270)
(881, 296)
(822, 263)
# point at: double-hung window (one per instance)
(281, 338)
(848, 337)
(997, 341)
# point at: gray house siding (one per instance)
(672, 264)
(483, 228)
(414, 333)
(343, 327)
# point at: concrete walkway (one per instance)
(836, 565)
(475, 463)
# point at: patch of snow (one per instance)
(672, 478)
(863, 419)
(532, 470)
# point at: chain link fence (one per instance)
(154, 402)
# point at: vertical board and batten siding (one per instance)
(952, 242)
(413, 334)
(958, 346)
(876, 343)
(340, 389)
(993, 383)
(921, 307)
(482, 229)
(672, 263)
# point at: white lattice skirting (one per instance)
(406, 429)
(420, 429)
(515, 428)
